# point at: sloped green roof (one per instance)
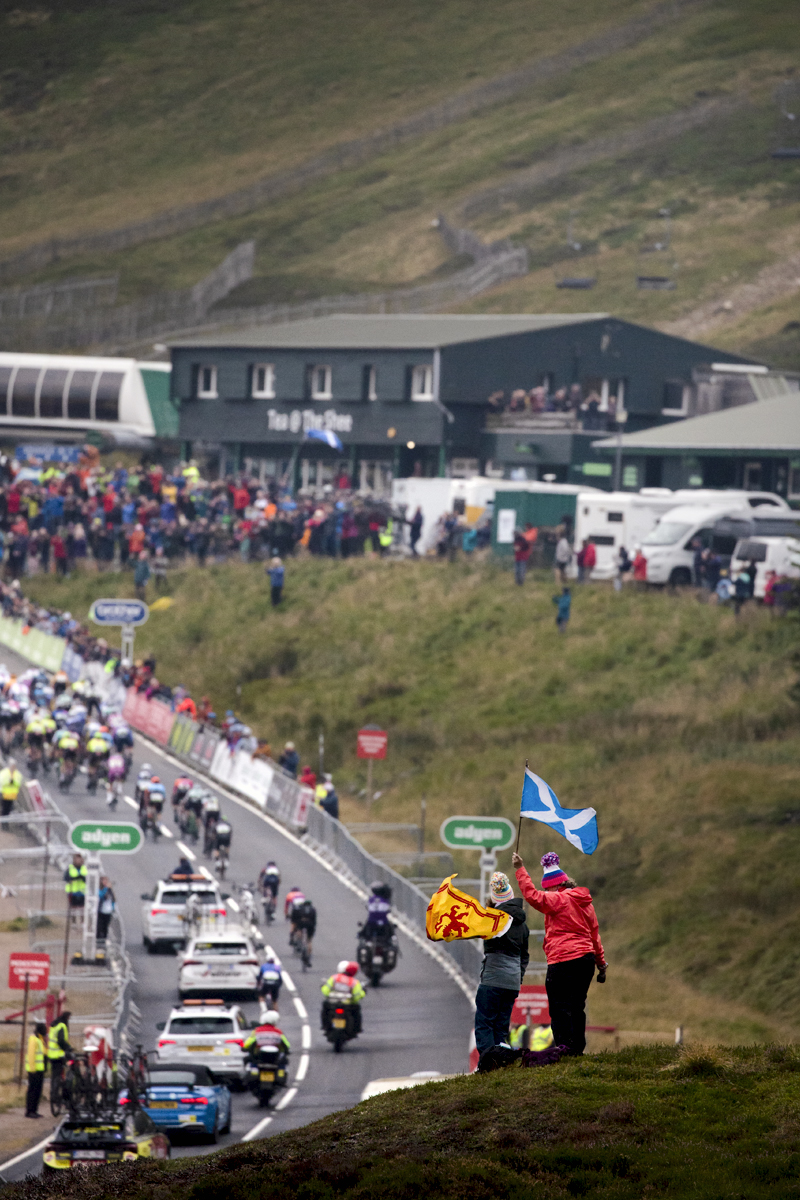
(768, 426)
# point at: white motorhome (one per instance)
(614, 519)
(778, 554)
(670, 547)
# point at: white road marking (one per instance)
(287, 1099)
(205, 871)
(232, 903)
(306, 1043)
(256, 1130)
(184, 849)
(301, 1008)
(131, 801)
(287, 979)
(166, 832)
(12, 1162)
(302, 1066)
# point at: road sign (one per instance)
(371, 743)
(24, 967)
(119, 612)
(105, 837)
(531, 1002)
(477, 833)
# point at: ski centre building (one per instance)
(428, 395)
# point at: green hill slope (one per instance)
(671, 717)
(615, 1127)
(105, 122)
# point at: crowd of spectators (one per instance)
(587, 408)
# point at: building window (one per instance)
(751, 478)
(51, 394)
(422, 383)
(369, 384)
(675, 398)
(23, 399)
(79, 400)
(263, 382)
(794, 480)
(207, 383)
(321, 383)
(106, 399)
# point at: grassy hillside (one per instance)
(173, 104)
(615, 1127)
(671, 717)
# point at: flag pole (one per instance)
(519, 827)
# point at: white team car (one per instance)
(221, 962)
(164, 909)
(208, 1032)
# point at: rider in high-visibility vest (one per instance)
(75, 882)
(10, 783)
(58, 1046)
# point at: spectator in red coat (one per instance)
(639, 568)
(587, 560)
(522, 552)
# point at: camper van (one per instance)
(778, 554)
(670, 547)
(614, 519)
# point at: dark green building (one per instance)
(425, 395)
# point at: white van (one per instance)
(670, 547)
(778, 554)
(614, 519)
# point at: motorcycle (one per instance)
(341, 1021)
(377, 956)
(267, 1072)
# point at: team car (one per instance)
(223, 962)
(92, 1142)
(164, 911)
(186, 1096)
(208, 1033)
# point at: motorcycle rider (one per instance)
(269, 981)
(184, 867)
(267, 1033)
(379, 905)
(343, 985)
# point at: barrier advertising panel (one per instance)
(43, 649)
(151, 717)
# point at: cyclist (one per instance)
(269, 981)
(115, 773)
(269, 881)
(294, 895)
(66, 745)
(142, 779)
(344, 983)
(123, 742)
(97, 751)
(304, 920)
(179, 790)
(34, 738)
(157, 794)
(221, 848)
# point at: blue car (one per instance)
(184, 1096)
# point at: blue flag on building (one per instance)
(324, 435)
(577, 825)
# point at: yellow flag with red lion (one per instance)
(454, 916)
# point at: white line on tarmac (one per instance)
(166, 832)
(205, 871)
(306, 1043)
(232, 903)
(301, 1008)
(256, 1130)
(287, 1099)
(131, 801)
(287, 979)
(12, 1162)
(302, 1066)
(184, 849)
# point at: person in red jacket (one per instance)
(572, 947)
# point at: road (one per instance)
(418, 1020)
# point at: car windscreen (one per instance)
(177, 1078)
(751, 551)
(201, 1024)
(231, 948)
(667, 533)
(86, 1134)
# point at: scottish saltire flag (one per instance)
(324, 435)
(577, 825)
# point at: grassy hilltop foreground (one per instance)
(616, 1127)
(675, 720)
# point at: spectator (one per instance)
(160, 570)
(724, 589)
(563, 603)
(276, 574)
(141, 576)
(415, 530)
(563, 558)
(624, 566)
(639, 568)
(308, 777)
(741, 589)
(698, 565)
(289, 760)
(106, 903)
(522, 552)
(586, 559)
(188, 708)
(330, 801)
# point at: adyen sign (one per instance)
(106, 837)
(477, 833)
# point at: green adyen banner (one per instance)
(106, 837)
(477, 833)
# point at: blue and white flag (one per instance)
(324, 435)
(577, 825)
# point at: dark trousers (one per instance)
(567, 986)
(103, 922)
(275, 593)
(493, 1007)
(34, 1093)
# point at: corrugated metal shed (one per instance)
(388, 332)
(768, 426)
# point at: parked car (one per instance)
(208, 1033)
(778, 554)
(164, 909)
(95, 1141)
(186, 1096)
(223, 962)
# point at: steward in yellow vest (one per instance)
(35, 1064)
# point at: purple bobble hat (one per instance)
(552, 874)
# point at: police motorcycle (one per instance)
(378, 948)
(341, 1010)
(267, 1067)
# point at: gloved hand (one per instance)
(601, 974)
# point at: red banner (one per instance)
(532, 999)
(24, 965)
(150, 717)
(371, 743)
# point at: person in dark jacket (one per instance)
(504, 965)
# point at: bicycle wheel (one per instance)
(56, 1095)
